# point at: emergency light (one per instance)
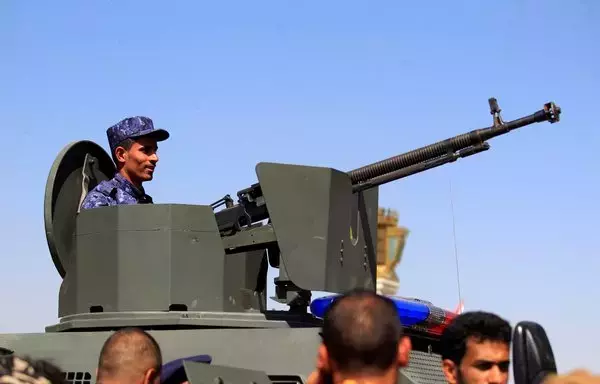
(412, 313)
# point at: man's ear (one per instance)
(323, 359)
(450, 371)
(151, 376)
(121, 154)
(404, 348)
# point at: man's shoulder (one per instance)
(101, 195)
(105, 187)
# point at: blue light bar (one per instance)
(410, 312)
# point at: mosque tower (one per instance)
(391, 239)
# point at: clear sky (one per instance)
(336, 83)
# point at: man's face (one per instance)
(140, 160)
(485, 362)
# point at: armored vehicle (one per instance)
(195, 276)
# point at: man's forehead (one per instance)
(486, 349)
(146, 141)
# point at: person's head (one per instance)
(24, 370)
(475, 349)
(362, 337)
(134, 144)
(130, 355)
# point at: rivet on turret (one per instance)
(218, 380)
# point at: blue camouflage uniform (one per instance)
(115, 191)
(119, 190)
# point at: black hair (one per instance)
(361, 332)
(127, 143)
(478, 325)
(36, 368)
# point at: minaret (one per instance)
(390, 244)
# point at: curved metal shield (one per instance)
(78, 168)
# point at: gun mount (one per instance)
(196, 277)
(296, 198)
(317, 225)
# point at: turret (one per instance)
(187, 266)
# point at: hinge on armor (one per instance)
(89, 173)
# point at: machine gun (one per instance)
(251, 207)
(301, 187)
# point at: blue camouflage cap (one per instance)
(132, 127)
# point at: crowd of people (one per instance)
(362, 342)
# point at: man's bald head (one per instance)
(362, 334)
(130, 355)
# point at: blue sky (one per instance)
(341, 84)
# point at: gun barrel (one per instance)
(444, 151)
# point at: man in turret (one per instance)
(133, 145)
